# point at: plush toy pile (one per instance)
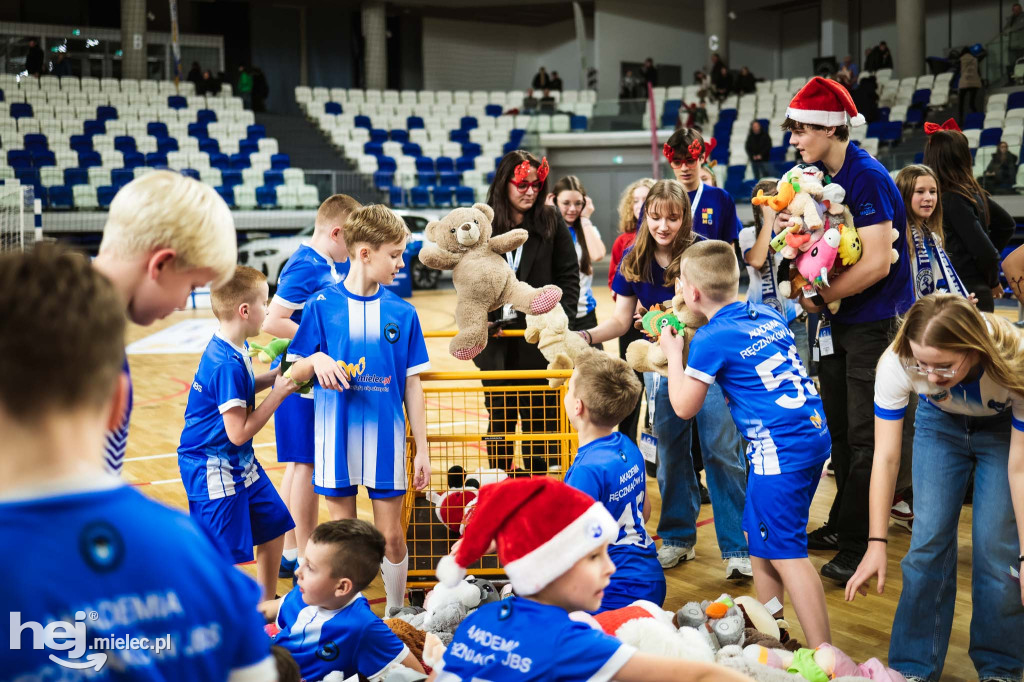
(454, 506)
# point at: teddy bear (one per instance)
(799, 193)
(484, 281)
(647, 356)
(559, 346)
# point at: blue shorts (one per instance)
(293, 430)
(239, 522)
(351, 490)
(775, 515)
(620, 593)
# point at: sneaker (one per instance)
(670, 555)
(843, 566)
(915, 678)
(824, 538)
(705, 495)
(902, 514)
(830, 468)
(287, 569)
(738, 568)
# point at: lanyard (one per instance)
(513, 261)
(696, 201)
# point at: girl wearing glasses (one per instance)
(576, 208)
(547, 257)
(968, 368)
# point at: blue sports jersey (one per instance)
(587, 302)
(350, 639)
(748, 349)
(613, 472)
(519, 639)
(117, 440)
(715, 217)
(360, 432)
(873, 198)
(211, 465)
(306, 272)
(648, 293)
(118, 565)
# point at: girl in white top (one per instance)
(576, 208)
(968, 369)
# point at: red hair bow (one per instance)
(950, 124)
(523, 170)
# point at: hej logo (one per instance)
(58, 636)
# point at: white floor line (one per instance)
(175, 454)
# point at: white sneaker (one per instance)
(738, 568)
(670, 555)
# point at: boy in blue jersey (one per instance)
(321, 263)
(166, 235)
(365, 347)
(610, 468)
(325, 623)
(748, 350)
(117, 565)
(229, 494)
(553, 542)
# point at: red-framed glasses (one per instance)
(524, 187)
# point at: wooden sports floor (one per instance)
(161, 384)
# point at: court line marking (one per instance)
(175, 454)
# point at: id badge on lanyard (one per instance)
(824, 345)
(507, 311)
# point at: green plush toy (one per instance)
(269, 352)
(657, 319)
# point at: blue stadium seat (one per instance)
(27, 176)
(399, 135)
(468, 123)
(266, 197)
(59, 196)
(426, 178)
(990, 137)
(94, 128)
(727, 115)
(419, 197)
(156, 129)
(43, 157)
(106, 113)
(975, 119)
(332, 108)
(449, 178)
(444, 164)
(396, 195)
(88, 159)
(387, 164)
(21, 110)
(177, 102)
(424, 164)
(156, 160)
(119, 177)
(35, 142)
(735, 174)
(230, 178)
(1, 94)
(919, 157)
(166, 144)
(915, 116)
(412, 149)
(722, 131)
(219, 161)
(280, 161)
(133, 159)
(720, 153)
(105, 194)
(363, 121)
(124, 143)
(373, 148)
(19, 158)
(227, 194)
(413, 122)
(197, 130)
(1014, 101)
(472, 149)
(922, 96)
(273, 178)
(490, 177)
(460, 136)
(493, 110)
(892, 131)
(189, 173)
(81, 143)
(875, 129)
(444, 195)
(256, 131)
(239, 161)
(883, 114)
(516, 135)
(247, 146)
(206, 116)
(383, 179)
(776, 155)
(465, 163)
(210, 145)
(464, 196)
(378, 135)
(509, 147)
(578, 123)
(76, 176)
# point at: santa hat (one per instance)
(824, 102)
(542, 528)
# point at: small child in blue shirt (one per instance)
(229, 494)
(609, 467)
(325, 622)
(365, 346)
(749, 351)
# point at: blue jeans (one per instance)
(946, 448)
(724, 467)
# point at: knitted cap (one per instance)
(824, 102)
(542, 528)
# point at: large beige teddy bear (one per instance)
(462, 242)
(647, 356)
(559, 346)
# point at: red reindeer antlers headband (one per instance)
(693, 152)
(523, 170)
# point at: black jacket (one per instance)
(544, 261)
(974, 248)
(760, 144)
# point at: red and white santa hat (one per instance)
(824, 102)
(542, 527)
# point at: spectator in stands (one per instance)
(1001, 172)
(630, 87)
(547, 257)
(745, 82)
(260, 89)
(208, 85)
(975, 227)
(541, 81)
(716, 61)
(1014, 30)
(970, 82)
(245, 87)
(648, 73)
(61, 66)
(556, 82)
(759, 149)
(846, 73)
(878, 57)
(195, 75)
(865, 97)
(722, 82)
(547, 102)
(34, 59)
(704, 87)
(530, 103)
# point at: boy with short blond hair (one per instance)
(106, 546)
(166, 235)
(749, 351)
(229, 494)
(609, 467)
(342, 558)
(320, 263)
(361, 326)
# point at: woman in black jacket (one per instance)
(976, 228)
(547, 257)
(759, 149)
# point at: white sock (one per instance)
(300, 560)
(395, 576)
(291, 554)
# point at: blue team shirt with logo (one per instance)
(350, 639)
(748, 349)
(212, 467)
(131, 568)
(306, 272)
(518, 639)
(715, 217)
(613, 472)
(872, 198)
(647, 293)
(360, 432)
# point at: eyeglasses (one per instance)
(679, 163)
(524, 187)
(944, 373)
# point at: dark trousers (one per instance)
(538, 412)
(964, 94)
(847, 391)
(628, 426)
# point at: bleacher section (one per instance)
(78, 141)
(434, 148)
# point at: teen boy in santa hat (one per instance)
(553, 542)
(874, 293)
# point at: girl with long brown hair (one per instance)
(968, 368)
(576, 207)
